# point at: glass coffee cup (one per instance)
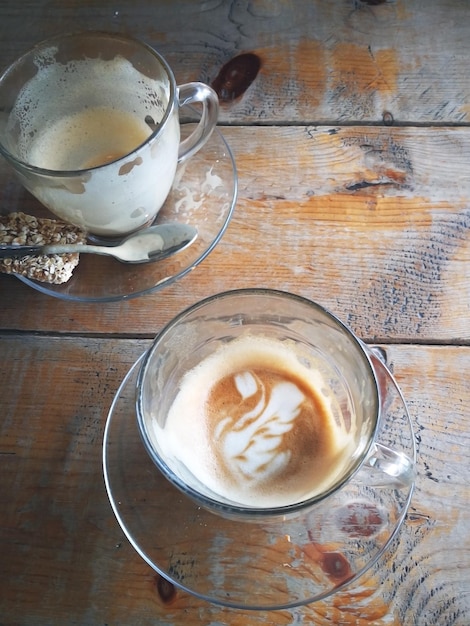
(260, 404)
(89, 122)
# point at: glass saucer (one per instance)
(252, 565)
(204, 195)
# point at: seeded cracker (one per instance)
(25, 229)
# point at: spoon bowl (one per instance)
(150, 244)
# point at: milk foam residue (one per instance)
(76, 116)
(249, 451)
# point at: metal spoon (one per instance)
(150, 244)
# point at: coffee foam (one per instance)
(59, 91)
(87, 138)
(256, 426)
(72, 116)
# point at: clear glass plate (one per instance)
(204, 195)
(253, 565)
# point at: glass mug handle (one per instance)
(389, 468)
(386, 467)
(190, 93)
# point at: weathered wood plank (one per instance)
(321, 62)
(357, 196)
(65, 560)
(371, 222)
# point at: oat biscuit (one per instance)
(22, 229)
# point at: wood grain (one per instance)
(59, 538)
(321, 62)
(355, 216)
(352, 145)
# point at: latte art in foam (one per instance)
(255, 425)
(251, 442)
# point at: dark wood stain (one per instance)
(166, 589)
(334, 564)
(336, 567)
(236, 76)
(360, 519)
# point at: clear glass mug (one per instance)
(89, 122)
(308, 346)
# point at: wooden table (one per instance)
(353, 153)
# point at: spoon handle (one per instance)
(15, 252)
